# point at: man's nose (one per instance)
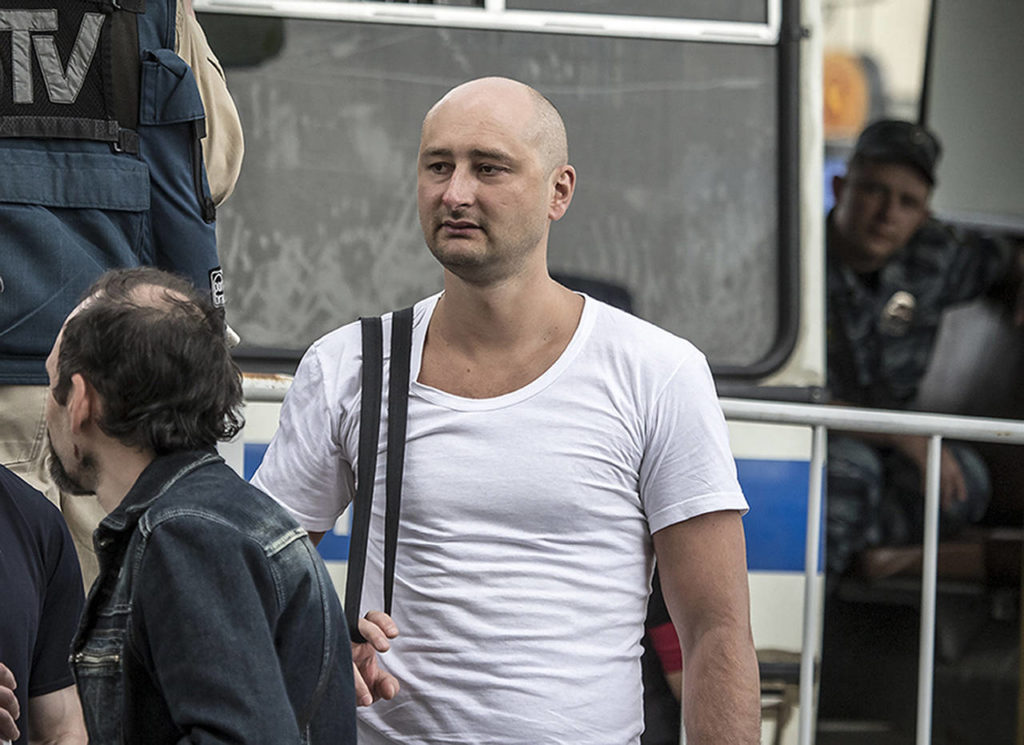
(890, 203)
(460, 189)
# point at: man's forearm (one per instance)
(722, 690)
(702, 564)
(56, 718)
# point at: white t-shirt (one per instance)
(524, 550)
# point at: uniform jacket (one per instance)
(213, 619)
(882, 329)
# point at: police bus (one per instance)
(696, 129)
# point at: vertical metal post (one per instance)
(812, 587)
(929, 571)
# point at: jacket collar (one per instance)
(153, 482)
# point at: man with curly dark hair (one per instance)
(213, 617)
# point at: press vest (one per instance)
(100, 163)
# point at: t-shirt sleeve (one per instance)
(58, 622)
(688, 467)
(305, 468)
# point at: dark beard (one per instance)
(64, 481)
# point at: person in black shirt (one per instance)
(41, 587)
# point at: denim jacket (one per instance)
(213, 619)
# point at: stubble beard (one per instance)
(63, 479)
(484, 262)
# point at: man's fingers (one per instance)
(371, 681)
(363, 696)
(9, 703)
(960, 493)
(384, 622)
(388, 687)
(9, 709)
(8, 731)
(377, 628)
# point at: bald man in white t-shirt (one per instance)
(555, 448)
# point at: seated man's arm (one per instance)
(702, 562)
(952, 486)
(55, 718)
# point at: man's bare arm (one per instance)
(56, 719)
(702, 563)
(953, 487)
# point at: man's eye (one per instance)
(437, 167)
(489, 170)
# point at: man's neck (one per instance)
(486, 341)
(119, 469)
(503, 316)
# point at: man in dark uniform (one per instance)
(892, 271)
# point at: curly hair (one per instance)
(154, 349)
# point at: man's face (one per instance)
(72, 467)
(879, 206)
(484, 193)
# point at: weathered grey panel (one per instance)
(674, 143)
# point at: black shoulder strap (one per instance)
(369, 434)
(398, 406)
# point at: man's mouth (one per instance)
(459, 227)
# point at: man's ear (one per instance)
(563, 187)
(83, 402)
(838, 185)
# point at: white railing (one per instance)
(822, 418)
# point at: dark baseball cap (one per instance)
(897, 141)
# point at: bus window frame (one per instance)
(494, 16)
(783, 30)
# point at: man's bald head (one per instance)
(542, 124)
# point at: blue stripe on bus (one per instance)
(775, 527)
(254, 452)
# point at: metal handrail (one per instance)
(935, 427)
(821, 418)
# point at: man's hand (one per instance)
(9, 710)
(952, 487)
(372, 681)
